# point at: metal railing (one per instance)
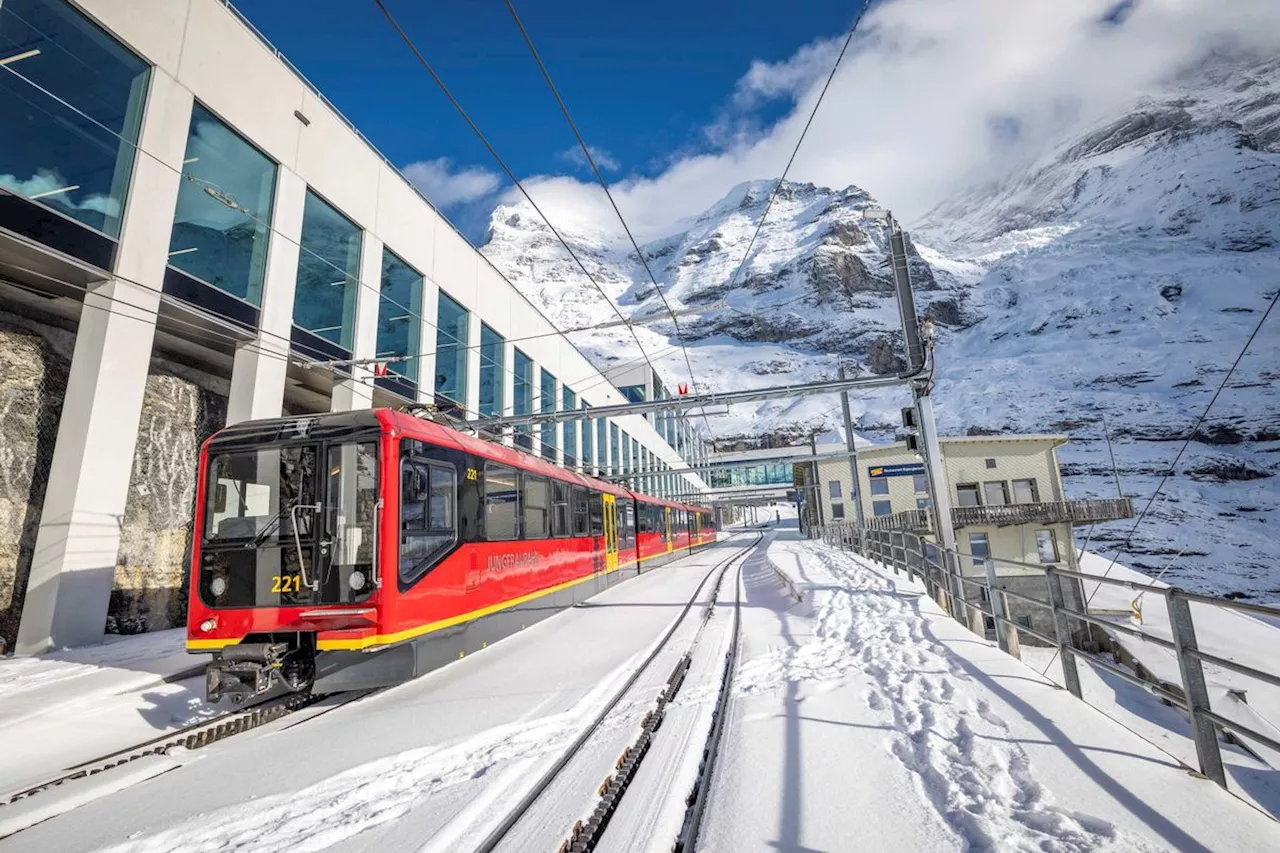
(941, 571)
(1052, 512)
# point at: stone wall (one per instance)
(183, 406)
(33, 381)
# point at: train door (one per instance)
(671, 542)
(610, 532)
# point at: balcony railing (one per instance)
(1057, 512)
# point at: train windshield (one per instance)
(290, 525)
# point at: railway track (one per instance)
(587, 832)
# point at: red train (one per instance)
(358, 549)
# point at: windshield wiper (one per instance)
(274, 524)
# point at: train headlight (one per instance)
(208, 625)
(356, 581)
(218, 586)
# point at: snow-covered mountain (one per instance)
(1105, 288)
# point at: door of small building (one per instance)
(610, 533)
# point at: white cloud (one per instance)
(446, 186)
(932, 95)
(603, 158)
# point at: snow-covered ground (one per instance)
(1229, 634)
(68, 707)
(869, 720)
(863, 718)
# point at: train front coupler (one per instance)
(246, 670)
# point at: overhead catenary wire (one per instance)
(422, 60)
(591, 161)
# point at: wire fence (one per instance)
(985, 603)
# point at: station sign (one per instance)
(910, 469)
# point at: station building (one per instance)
(191, 235)
(1007, 503)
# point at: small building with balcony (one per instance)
(1007, 499)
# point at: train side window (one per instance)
(595, 506)
(559, 509)
(501, 502)
(630, 524)
(428, 516)
(580, 521)
(536, 508)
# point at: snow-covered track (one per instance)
(195, 736)
(586, 833)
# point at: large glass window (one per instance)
(324, 302)
(569, 402)
(588, 443)
(223, 219)
(967, 494)
(995, 492)
(537, 508)
(979, 548)
(522, 398)
(69, 95)
(624, 454)
(548, 429)
(399, 313)
(452, 327)
(614, 450)
(1025, 492)
(602, 444)
(492, 357)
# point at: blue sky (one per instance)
(690, 97)
(641, 80)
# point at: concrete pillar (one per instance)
(472, 383)
(427, 337)
(508, 388)
(79, 536)
(357, 391)
(258, 374)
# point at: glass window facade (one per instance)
(324, 302)
(569, 402)
(399, 315)
(453, 324)
(492, 358)
(749, 474)
(602, 444)
(223, 220)
(588, 445)
(522, 397)
(615, 451)
(68, 158)
(547, 386)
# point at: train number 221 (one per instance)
(286, 583)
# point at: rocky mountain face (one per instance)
(1102, 292)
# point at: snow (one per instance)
(64, 708)
(1226, 633)
(427, 765)
(868, 719)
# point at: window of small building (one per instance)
(1025, 492)
(923, 503)
(834, 487)
(920, 483)
(995, 492)
(501, 502)
(537, 509)
(1047, 546)
(882, 508)
(991, 463)
(979, 548)
(837, 511)
(879, 486)
(967, 494)
(559, 508)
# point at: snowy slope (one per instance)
(1109, 284)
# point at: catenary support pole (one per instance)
(855, 491)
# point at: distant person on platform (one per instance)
(777, 517)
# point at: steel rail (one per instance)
(496, 836)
